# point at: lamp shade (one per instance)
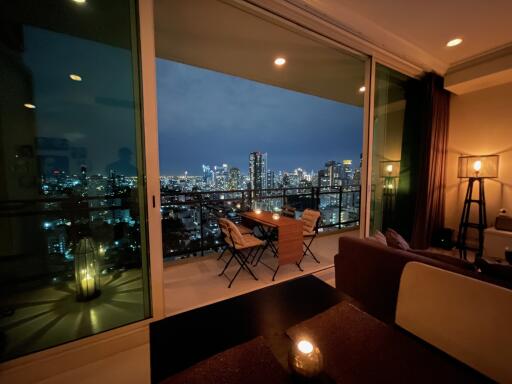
(390, 168)
(478, 166)
(87, 276)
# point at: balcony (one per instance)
(189, 219)
(189, 222)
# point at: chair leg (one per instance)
(243, 265)
(308, 249)
(222, 254)
(275, 273)
(298, 266)
(227, 264)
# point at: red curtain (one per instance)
(433, 129)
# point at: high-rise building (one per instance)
(258, 170)
(347, 173)
(234, 178)
(271, 179)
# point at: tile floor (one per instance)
(195, 282)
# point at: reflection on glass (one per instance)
(72, 240)
(389, 147)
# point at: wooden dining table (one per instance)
(289, 234)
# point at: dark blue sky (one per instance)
(206, 117)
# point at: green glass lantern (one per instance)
(87, 277)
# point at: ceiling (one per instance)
(418, 30)
(221, 37)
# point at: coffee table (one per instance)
(180, 341)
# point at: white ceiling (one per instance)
(418, 30)
(224, 38)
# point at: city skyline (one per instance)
(221, 118)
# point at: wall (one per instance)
(480, 123)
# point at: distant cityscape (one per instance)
(191, 204)
(227, 177)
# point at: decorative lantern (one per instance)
(87, 277)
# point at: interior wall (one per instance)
(480, 124)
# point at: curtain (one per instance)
(432, 125)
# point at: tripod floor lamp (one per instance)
(476, 169)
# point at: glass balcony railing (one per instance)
(189, 219)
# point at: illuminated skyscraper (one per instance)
(234, 178)
(258, 170)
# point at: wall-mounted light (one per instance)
(362, 89)
(29, 106)
(75, 77)
(79, 1)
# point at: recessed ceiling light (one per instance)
(362, 89)
(79, 1)
(75, 77)
(280, 61)
(454, 42)
(29, 106)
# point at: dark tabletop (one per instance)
(182, 340)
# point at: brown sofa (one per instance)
(370, 272)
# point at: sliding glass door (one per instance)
(391, 150)
(73, 258)
(253, 112)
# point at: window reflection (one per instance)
(72, 254)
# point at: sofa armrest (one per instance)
(370, 273)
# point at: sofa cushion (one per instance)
(395, 240)
(467, 318)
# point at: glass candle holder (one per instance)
(276, 216)
(257, 211)
(305, 359)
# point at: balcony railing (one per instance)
(189, 219)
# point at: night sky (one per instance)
(206, 117)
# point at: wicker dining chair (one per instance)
(310, 221)
(240, 246)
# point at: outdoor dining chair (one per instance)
(240, 246)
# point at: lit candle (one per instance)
(87, 284)
(257, 211)
(276, 216)
(305, 359)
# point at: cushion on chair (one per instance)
(309, 219)
(244, 230)
(231, 231)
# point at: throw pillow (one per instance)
(394, 240)
(379, 237)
